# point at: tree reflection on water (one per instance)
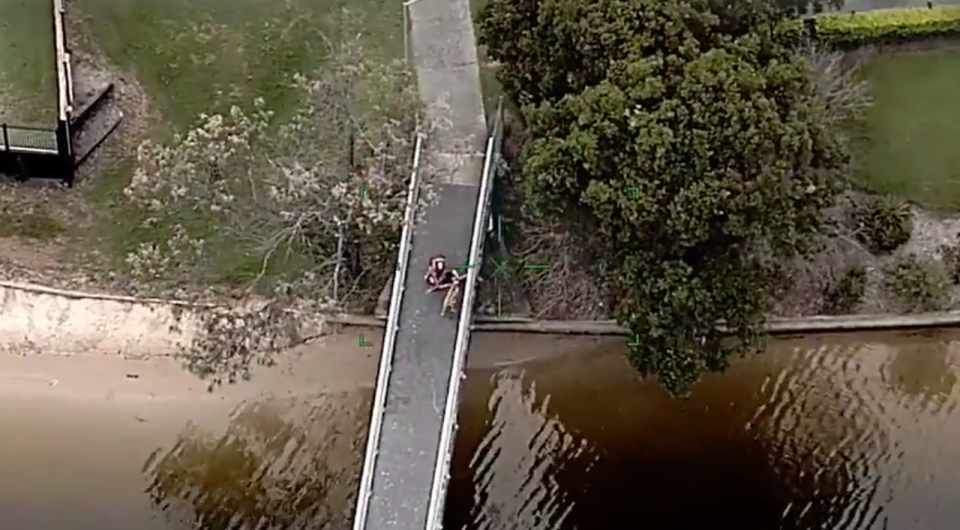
(269, 470)
(922, 372)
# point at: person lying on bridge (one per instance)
(438, 276)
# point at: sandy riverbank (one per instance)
(334, 364)
(80, 430)
(86, 436)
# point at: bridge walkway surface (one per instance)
(404, 479)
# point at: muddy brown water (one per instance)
(836, 432)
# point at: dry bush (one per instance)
(570, 285)
(843, 91)
(844, 295)
(806, 282)
(567, 288)
(951, 260)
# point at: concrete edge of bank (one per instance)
(35, 318)
(774, 326)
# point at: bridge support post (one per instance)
(6, 138)
(65, 152)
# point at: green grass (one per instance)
(30, 226)
(193, 57)
(912, 144)
(201, 56)
(28, 80)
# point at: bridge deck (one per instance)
(448, 78)
(422, 364)
(28, 140)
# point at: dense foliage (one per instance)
(796, 8)
(695, 140)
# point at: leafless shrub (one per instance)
(566, 288)
(325, 189)
(844, 93)
(232, 340)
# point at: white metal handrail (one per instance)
(441, 470)
(389, 339)
(64, 74)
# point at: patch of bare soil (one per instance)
(64, 259)
(36, 216)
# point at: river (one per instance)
(851, 432)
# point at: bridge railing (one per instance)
(65, 93)
(441, 470)
(389, 339)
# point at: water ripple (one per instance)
(517, 462)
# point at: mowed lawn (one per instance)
(28, 79)
(911, 146)
(195, 56)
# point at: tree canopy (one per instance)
(691, 133)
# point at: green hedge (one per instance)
(888, 26)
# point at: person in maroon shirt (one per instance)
(440, 277)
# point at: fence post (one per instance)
(6, 138)
(64, 149)
(65, 152)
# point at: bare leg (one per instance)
(450, 300)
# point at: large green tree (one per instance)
(691, 133)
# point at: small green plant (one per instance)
(885, 224)
(919, 285)
(842, 296)
(951, 261)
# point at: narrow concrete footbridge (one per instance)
(413, 420)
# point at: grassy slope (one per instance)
(27, 74)
(195, 57)
(913, 128)
(203, 56)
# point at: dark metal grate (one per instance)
(14, 138)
